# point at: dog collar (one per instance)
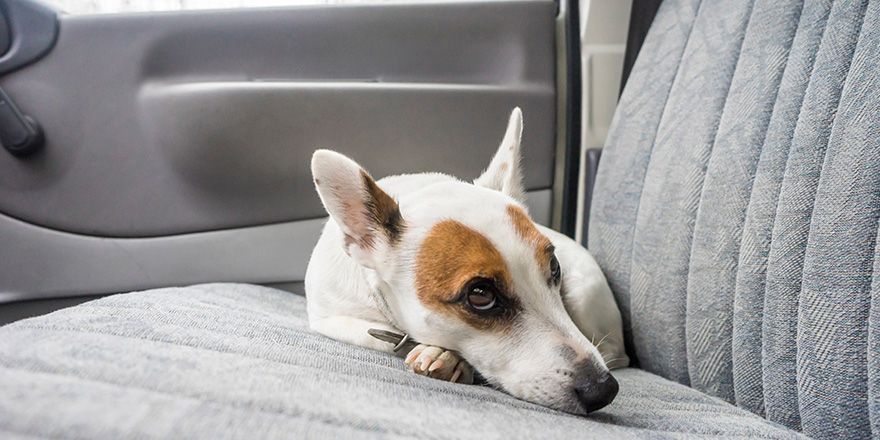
(400, 342)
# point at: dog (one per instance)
(463, 269)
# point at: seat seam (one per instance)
(821, 168)
(751, 190)
(648, 166)
(778, 194)
(873, 415)
(687, 264)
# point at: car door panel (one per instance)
(174, 123)
(178, 144)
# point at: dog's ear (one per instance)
(368, 216)
(503, 173)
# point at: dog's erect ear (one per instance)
(369, 217)
(503, 173)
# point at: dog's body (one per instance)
(461, 266)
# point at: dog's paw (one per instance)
(440, 364)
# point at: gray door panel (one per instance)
(246, 158)
(162, 124)
(50, 263)
(178, 144)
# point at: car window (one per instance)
(116, 6)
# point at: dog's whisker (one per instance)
(602, 340)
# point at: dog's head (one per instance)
(462, 266)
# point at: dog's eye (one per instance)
(555, 270)
(481, 297)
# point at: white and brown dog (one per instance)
(462, 269)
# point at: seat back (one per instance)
(736, 207)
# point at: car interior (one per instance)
(720, 160)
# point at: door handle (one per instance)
(20, 134)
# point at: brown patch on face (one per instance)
(382, 210)
(528, 232)
(450, 258)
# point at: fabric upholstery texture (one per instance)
(735, 213)
(238, 361)
(736, 208)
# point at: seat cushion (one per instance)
(237, 360)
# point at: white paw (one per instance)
(440, 363)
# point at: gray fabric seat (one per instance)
(238, 361)
(735, 213)
(736, 208)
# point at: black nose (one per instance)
(598, 393)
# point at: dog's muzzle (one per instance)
(597, 394)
